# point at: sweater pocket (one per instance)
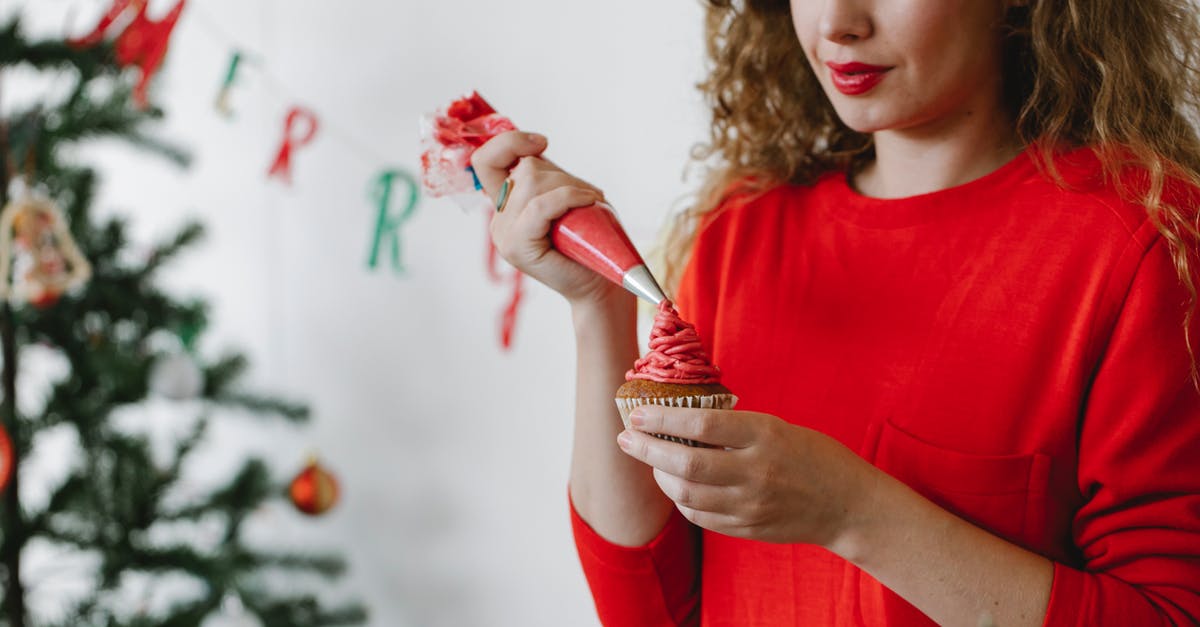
(1004, 494)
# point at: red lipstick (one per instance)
(855, 78)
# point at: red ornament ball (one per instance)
(6, 459)
(45, 300)
(314, 490)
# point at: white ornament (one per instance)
(176, 376)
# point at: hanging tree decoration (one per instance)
(176, 375)
(140, 43)
(282, 166)
(37, 249)
(7, 458)
(314, 490)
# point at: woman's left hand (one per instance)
(765, 480)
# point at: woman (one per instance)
(945, 260)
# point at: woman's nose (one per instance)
(846, 21)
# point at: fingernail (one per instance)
(625, 440)
(637, 418)
(535, 138)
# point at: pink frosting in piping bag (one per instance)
(589, 235)
(676, 355)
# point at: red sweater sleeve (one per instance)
(1138, 529)
(656, 585)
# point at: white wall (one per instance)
(452, 454)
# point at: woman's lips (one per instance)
(855, 78)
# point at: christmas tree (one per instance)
(78, 289)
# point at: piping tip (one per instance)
(639, 281)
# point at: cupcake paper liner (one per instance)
(625, 405)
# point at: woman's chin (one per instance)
(868, 122)
(865, 127)
(863, 117)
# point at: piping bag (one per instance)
(590, 235)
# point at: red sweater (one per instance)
(1011, 350)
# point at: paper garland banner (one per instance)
(508, 316)
(387, 224)
(140, 43)
(292, 139)
(222, 103)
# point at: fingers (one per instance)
(541, 211)
(711, 466)
(532, 176)
(720, 522)
(718, 427)
(494, 159)
(700, 496)
(712, 507)
(520, 231)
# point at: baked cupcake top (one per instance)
(676, 355)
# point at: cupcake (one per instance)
(676, 372)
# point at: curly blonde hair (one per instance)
(1120, 77)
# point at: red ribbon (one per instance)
(508, 316)
(282, 167)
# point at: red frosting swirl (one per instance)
(676, 355)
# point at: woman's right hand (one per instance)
(540, 193)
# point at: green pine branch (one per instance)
(302, 610)
(15, 49)
(37, 133)
(187, 613)
(326, 565)
(188, 235)
(220, 378)
(87, 118)
(264, 405)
